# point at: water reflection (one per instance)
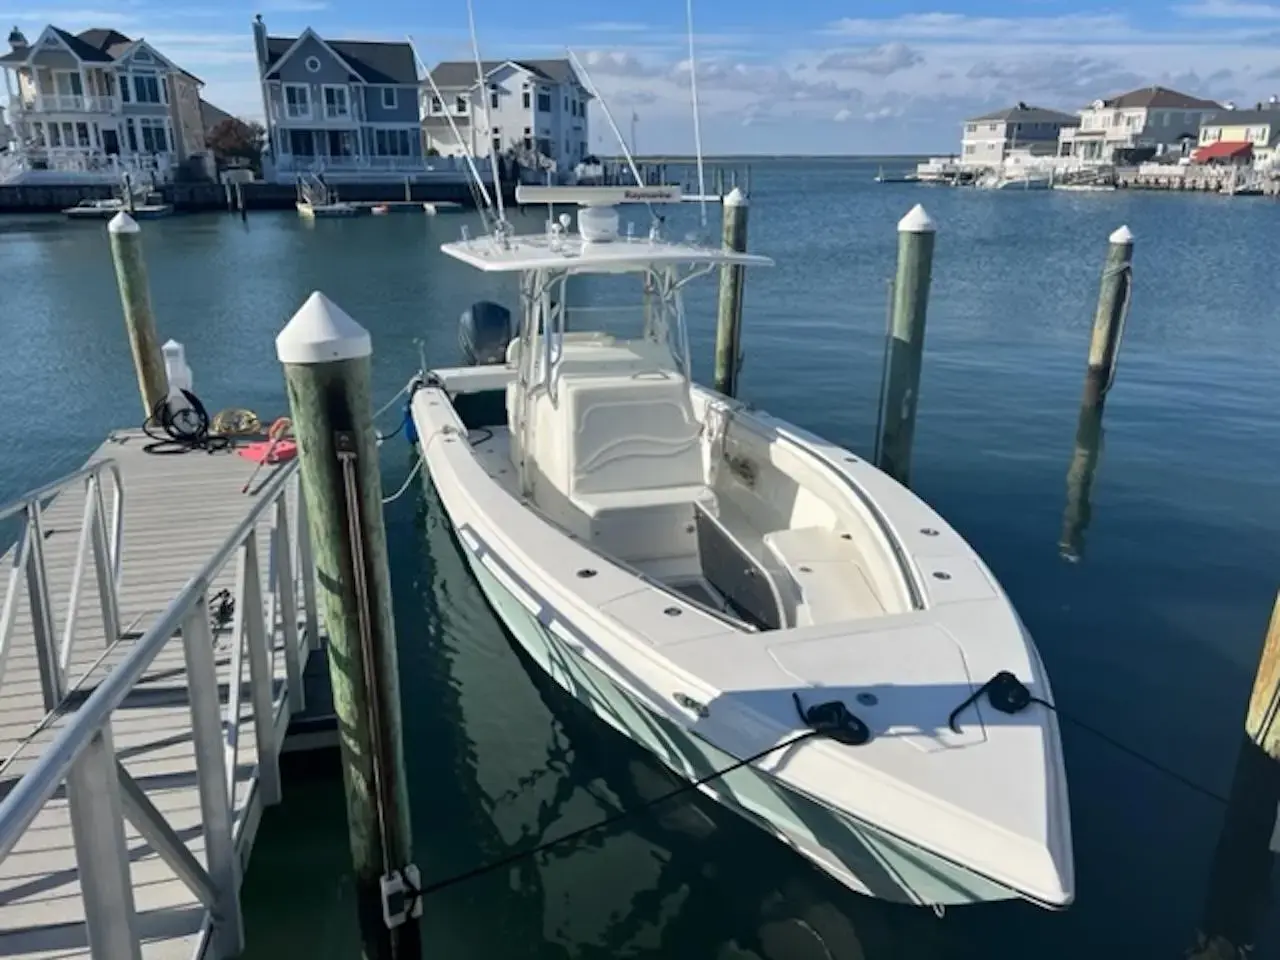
(1240, 883)
(1084, 464)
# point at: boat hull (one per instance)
(858, 855)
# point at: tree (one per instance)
(233, 138)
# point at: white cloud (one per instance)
(1230, 10)
(879, 61)
(618, 63)
(958, 26)
(1055, 75)
(842, 115)
(884, 113)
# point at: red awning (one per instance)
(1223, 150)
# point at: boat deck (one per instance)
(178, 511)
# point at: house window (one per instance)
(493, 98)
(313, 64)
(55, 135)
(389, 101)
(437, 106)
(82, 134)
(528, 138)
(497, 146)
(968, 148)
(544, 101)
(154, 139)
(991, 127)
(146, 88)
(68, 85)
(37, 133)
(566, 110)
(460, 105)
(525, 97)
(297, 101)
(124, 87)
(132, 135)
(335, 103)
(393, 143)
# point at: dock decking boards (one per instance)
(179, 509)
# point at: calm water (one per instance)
(1152, 637)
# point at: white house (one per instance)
(1136, 126)
(537, 109)
(97, 103)
(989, 139)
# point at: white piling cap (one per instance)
(1124, 235)
(917, 220)
(322, 332)
(123, 223)
(736, 198)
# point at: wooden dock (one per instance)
(178, 512)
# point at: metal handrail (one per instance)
(98, 788)
(28, 562)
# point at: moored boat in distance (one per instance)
(780, 623)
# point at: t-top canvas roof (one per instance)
(571, 253)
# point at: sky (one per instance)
(805, 77)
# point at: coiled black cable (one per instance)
(183, 431)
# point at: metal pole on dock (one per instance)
(135, 298)
(244, 213)
(916, 235)
(729, 320)
(1109, 318)
(327, 362)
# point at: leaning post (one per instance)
(139, 320)
(1109, 317)
(729, 319)
(916, 235)
(327, 359)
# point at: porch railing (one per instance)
(66, 103)
(100, 792)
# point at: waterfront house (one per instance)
(989, 139)
(537, 112)
(89, 105)
(1136, 126)
(1240, 137)
(347, 108)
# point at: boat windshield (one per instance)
(635, 314)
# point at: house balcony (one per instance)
(57, 103)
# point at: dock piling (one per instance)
(1109, 317)
(729, 319)
(327, 367)
(916, 235)
(135, 298)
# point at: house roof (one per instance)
(85, 51)
(374, 62)
(1223, 150)
(104, 39)
(461, 74)
(1231, 118)
(97, 45)
(1022, 113)
(211, 116)
(1160, 97)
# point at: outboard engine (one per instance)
(484, 333)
